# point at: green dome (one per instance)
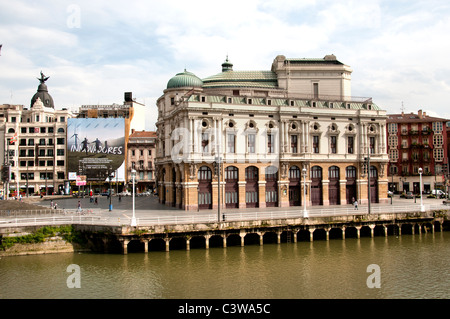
(184, 79)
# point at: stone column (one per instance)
(327, 232)
(311, 233)
(242, 234)
(207, 237)
(343, 232)
(294, 235)
(372, 227)
(125, 245)
(145, 241)
(188, 242)
(224, 239)
(279, 237)
(358, 231)
(167, 240)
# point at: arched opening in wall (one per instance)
(197, 242)
(294, 186)
(270, 237)
(135, 246)
(335, 233)
(303, 235)
(316, 186)
(156, 244)
(177, 243)
(204, 188)
(215, 241)
(392, 230)
(374, 185)
(234, 240)
(271, 186)
(320, 234)
(251, 239)
(251, 187)
(350, 187)
(365, 231)
(334, 191)
(378, 230)
(351, 232)
(231, 187)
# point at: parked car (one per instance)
(438, 193)
(125, 193)
(390, 193)
(409, 195)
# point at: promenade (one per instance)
(149, 212)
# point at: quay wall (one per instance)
(122, 239)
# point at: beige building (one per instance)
(269, 128)
(38, 155)
(141, 157)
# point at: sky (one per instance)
(94, 51)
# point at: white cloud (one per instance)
(396, 49)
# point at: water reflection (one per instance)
(412, 266)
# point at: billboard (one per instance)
(96, 147)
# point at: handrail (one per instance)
(212, 217)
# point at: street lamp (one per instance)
(305, 213)
(422, 208)
(133, 219)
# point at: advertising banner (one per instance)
(96, 147)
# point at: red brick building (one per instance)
(416, 141)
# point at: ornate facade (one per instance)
(266, 134)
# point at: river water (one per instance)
(410, 266)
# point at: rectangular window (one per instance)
(316, 90)
(251, 143)
(372, 144)
(333, 144)
(270, 143)
(294, 141)
(205, 142)
(60, 140)
(231, 143)
(60, 152)
(316, 144)
(350, 144)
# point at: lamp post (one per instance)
(422, 208)
(305, 212)
(133, 219)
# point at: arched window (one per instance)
(60, 130)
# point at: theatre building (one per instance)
(269, 137)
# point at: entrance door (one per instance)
(350, 187)
(316, 186)
(294, 186)
(333, 186)
(271, 186)
(204, 188)
(251, 186)
(231, 187)
(373, 185)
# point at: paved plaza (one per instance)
(149, 211)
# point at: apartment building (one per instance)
(416, 141)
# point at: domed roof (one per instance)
(184, 79)
(42, 93)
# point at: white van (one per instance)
(438, 193)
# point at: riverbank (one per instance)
(40, 240)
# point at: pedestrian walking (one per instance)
(51, 204)
(356, 204)
(96, 201)
(79, 206)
